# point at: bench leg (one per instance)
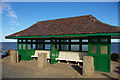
(34, 58)
(67, 62)
(48, 60)
(78, 63)
(58, 61)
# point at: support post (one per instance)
(88, 66)
(42, 60)
(14, 56)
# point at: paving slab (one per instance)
(29, 69)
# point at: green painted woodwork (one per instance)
(68, 35)
(102, 62)
(54, 51)
(25, 54)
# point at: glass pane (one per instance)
(75, 47)
(39, 46)
(34, 46)
(66, 40)
(57, 40)
(53, 48)
(20, 40)
(65, 47)
(19, 46)
(29, 46)
(23, 46)
(84, 47)
(104, 40)
(74, 40)
(39, 40)
(104, 49)
(57, 46)
(47, 40)
(53, 40)
(93, 49)
(47, 46)
(34, 40)
(84, 40)
(24, 40)
(29, 40)
(94, 40)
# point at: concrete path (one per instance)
(29, 69)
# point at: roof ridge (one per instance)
(66, 18)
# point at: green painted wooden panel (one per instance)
(25, 54)
(54, 51)
(102, 62)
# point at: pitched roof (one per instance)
(73, 25)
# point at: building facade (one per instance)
(69, 39)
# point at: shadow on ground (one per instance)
(77, 68)
(110, 78)
(117, 71)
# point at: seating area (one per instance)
(64, 55)
(41, 51)
(71, 56)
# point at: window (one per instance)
(74, 40)
(47, 46)
(53, 40)
(84, 47)
(57, 46)
(29, 40)
(40, 41)
(84, 40)
(65, 40)
(57, 40)
(94, 40)
(47, 40)
(20, 40)
(64, 47)
(34, 40)
(34, 46)
(104, 40)
(24, 40)
(23, 46)
(39, 46)
(75, 47)
(19, 46)
(104, 49)
(93, 49)
(29, 46)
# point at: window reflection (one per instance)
(19, 46)
(23, 46)
(84, 47)
(29, 46)
(39, 46)
(104, 49)
(75, 47)
(34, 46)
(65, 47)
(93, 49)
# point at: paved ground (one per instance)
(29, 69)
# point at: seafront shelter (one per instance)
(68, 39)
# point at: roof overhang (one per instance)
(113, 35)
